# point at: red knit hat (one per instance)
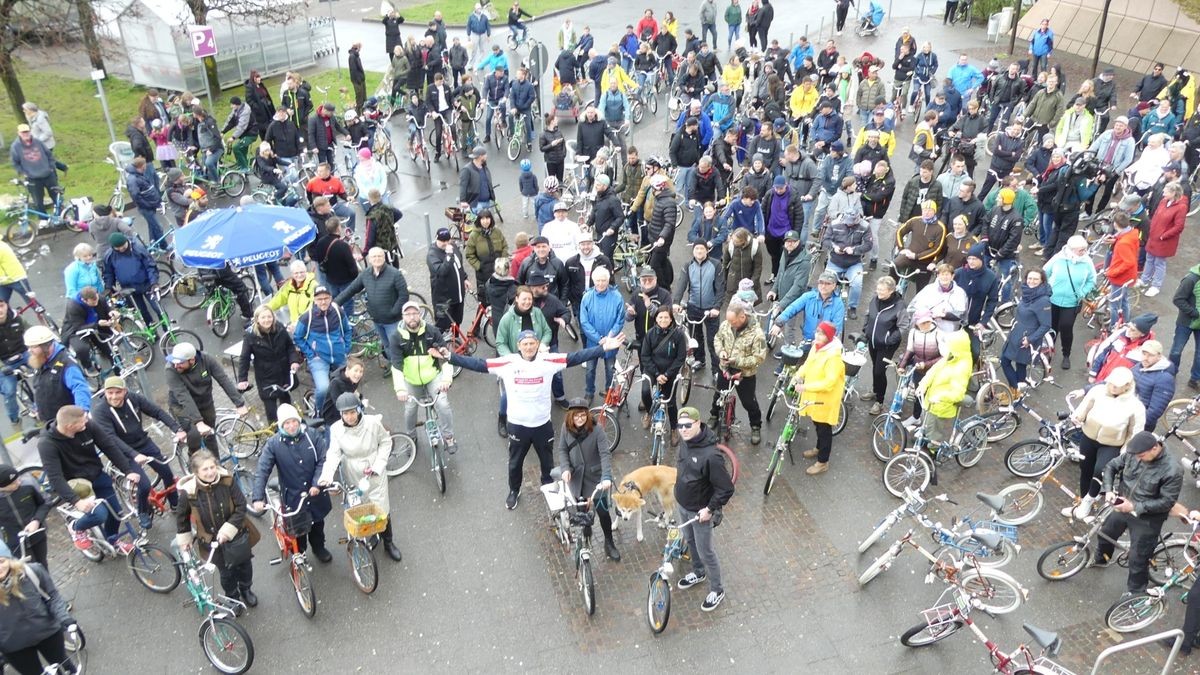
(828, 329)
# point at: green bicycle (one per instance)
(218, 308)
(791, 427)
(163, 331)
(226, 645)
(128, 355)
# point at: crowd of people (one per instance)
(782, 159)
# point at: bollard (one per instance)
(922, 10)
(428, 230)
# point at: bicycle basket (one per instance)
(854, 362)
(364, 520)
(940, 615)
(454, 214)
(792, 355)
(583, 518)
(299, 524)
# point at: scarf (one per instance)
(1112, 146)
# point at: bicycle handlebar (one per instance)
(303, 499)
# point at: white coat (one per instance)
(366, 444)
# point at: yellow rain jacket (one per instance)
(945, 385)
(824, 377)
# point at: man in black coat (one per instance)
(607, 215)
(284, 137)
(358, 77)
(323, 129)
(391, 31)
(643, 304)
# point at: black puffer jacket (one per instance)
(12, 332)
(552, 153)
(663, 351)
(886, 324)
(273, 354)
(701, 479)
(662, 218)
(338, 384)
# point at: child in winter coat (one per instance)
(500, 291)
(164, 150)
(528, 184)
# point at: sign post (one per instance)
(204, 45)
(98, 78)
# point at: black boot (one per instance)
(249, 597)
(610, 549)
(238, 610)
(388, 545)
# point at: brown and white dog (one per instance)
(637, 485)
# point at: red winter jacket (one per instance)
(1123, 268)
(1166, 226)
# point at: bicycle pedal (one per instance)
(276, 561)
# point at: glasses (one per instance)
(685, 425)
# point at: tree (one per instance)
(266, 11)
(87, 29)
(8, 71)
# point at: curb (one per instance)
(547, 15)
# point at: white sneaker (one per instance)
(1151, 292)
(1084, 509)
(1139, 284)
(910, 423)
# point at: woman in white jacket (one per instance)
(1109, 414)
(360, 445)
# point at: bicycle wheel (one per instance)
(1028, 459)
(986, 557)
(226, 645)
(1063, 561)
(637, 111)
(174, 336)
(843, 415)
(652, 102)
(513, 149)
(971, 444)
(1134, 613)
(1183, 413)
(218, 318)
(305, 594)
(1169, 558)
(907, 470)
(389, 159)
(877, 566)
(1006, 315)
(657, 449)
(607, 419)
(877, 534)
(154, 568)
(233, 183)
(404, 451)
(362, 565)
(351, 186)
(587, 586)
(238, 437)
(137, 350)
(888, 437)
(992, 396)
(1001, 424)
(189, 293)
(21, 233)
(773, 468)
(924, 635)
(439, 468)
(997, 592)
(658, 602)
(245, 482)
(773, 399)
(1022, 503)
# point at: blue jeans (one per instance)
(8, 388)
(488, 112)
(385, 331)
(152, 226)
(211, 162)
(1118, 307)
(268, 275)
(855, 274)
(610, 369)
(1155, 271)
(735, 32)
(1045, 226)
(103, 513)
(807, 207)
(343, 210)
(681, 181)
(1182, 335)
(21, 287)
(1014, 372)
(319, 368)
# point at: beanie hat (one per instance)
(828, 329)
(1144, 322)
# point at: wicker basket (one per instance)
(357, 530)
(454, 214)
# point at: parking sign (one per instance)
(204, 44)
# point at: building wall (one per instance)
(1138, 33)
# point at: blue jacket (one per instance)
(528, 184)
(614, 107)
(489, 65)
(708, 231)
(720, 108)
(132, 269)
(543, 209)
(324, 335)
(1033, 322)
(520, 95)
(954, 100)
(601, 315)
(983, 292)
(832, 170)
(298, 461)
(738, 215)
(926, 68)
(478, 24)
(1041, 43)
(798, 54)
(1155, 387)
(965, 78)
(629, 45)
(875, 11)
(827, 128)
(1070, 280)
(1122, 156)
(706, 127)
(702, 284)
(815, 311)
(143, 187)
(79, 274)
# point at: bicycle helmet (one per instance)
(656, 161)
(348, 401)
(526, 165)
(551, 183)
(39, 335)
(350, 115)
(371, 103)
(577, 403)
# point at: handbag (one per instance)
(237, 550)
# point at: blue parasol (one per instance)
(244, 236)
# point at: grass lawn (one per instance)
(455, 12)
(78, 120)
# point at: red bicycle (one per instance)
(39, 310)
(466, 342)
(160, 493)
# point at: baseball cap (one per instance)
(538, 279)
(478, 151)
(443, 234)
(828, 276)
(184, 351)
(8, 474)
(560, 206)
(526, 335)
(838, 146)
(791, 235)
(22, 127)
(539, 240)
(690, 413)
(114, 382)
(322, 290)
(411, 304)
(648, 271)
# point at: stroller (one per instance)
(871, 20)
(566, 105)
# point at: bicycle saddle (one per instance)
(987, 538)
(314, 422)
(994, 502)
(1049, 640)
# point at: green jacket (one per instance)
(733, 15)
(410, 350)
(510, 326)
(483, 249)
(1026, 205)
